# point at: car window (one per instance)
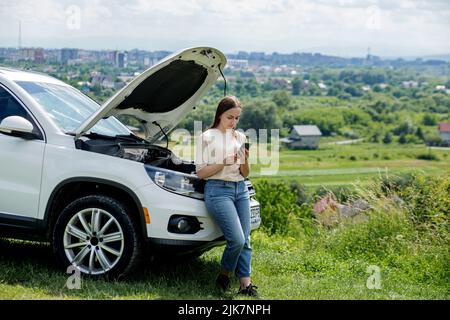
(9, 106)
(69, 108)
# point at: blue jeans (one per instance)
(229, 203)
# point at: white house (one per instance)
(303, 137)
(444, 132)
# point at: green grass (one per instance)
(284, 268)
(345, 164)
(305, 263)
(333, 165)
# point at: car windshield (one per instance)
(69, 108)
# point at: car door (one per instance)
(20, 166)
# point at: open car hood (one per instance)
(165, 93)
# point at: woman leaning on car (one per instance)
(222, 160)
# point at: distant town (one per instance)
(112, 69)
(239, 60)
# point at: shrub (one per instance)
(341, 193)
(427, 156)
(300, 192)
(374, 238)
(280, 211)
(395, 183)
(387, 138)
(429, 120)
(427, 199)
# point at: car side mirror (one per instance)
(18, 127)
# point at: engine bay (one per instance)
(135, 149)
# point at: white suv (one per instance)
(74, 175)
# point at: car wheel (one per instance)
(97, 236)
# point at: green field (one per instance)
(343, 164)
(347, 164)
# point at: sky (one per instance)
(390, 28)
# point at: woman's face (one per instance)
(230, 118)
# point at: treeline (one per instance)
(379, 104)
(375, 116)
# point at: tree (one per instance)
(281, 98)
(268, 86)
(251, 87)
(353, 91)
(314, 90)
(402, 139)
(404, 128)
(397, 93)
(238, 86)
(377, 89)
(296, 86)
(375, 137)
(260, 114)
(420, 134)
(429, 120)
(317, 116)
(355, 116)
(387, 138)
(334, 91)
(372, 77)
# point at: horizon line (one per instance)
(237, 52)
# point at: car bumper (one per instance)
(162, 205)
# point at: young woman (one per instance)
(222, 161)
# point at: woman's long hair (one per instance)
(227, 103)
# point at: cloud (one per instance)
(268, 25)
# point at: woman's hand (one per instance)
(230, 160)
(247, 154)
(244, 167)
(243, 155)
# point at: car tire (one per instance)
(97, 235)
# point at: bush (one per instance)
(396, 183)
(433, 141)
(300, 192)
(374, 238)
(423, 200)
(429, 120)
(427, 156)
(387, 138)
(280, 212)
(427, 199)
(341, 193)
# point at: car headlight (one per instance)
(181, 183)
